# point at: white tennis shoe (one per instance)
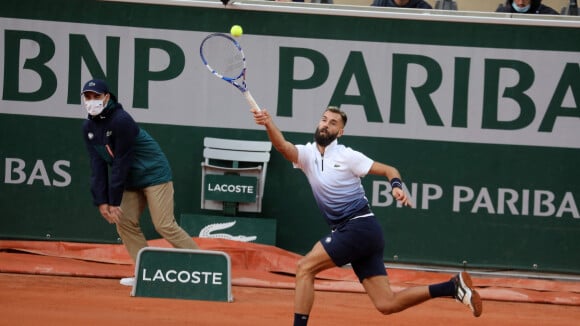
(128, 281)
(465, 293)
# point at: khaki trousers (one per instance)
(159, 199)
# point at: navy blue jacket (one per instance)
(115, 141)
(411, 4)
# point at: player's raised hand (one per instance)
(261, 117)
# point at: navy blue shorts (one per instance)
(359, 242)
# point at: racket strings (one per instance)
(224, 57)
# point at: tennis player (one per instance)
(334, 173)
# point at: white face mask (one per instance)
(521, 9)
(94, 107)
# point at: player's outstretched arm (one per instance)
(286, 148)
(392, 174)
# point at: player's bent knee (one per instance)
(386, 311)
(387, 308)
(304, 269)
(301, 267)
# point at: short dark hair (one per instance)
(337, 110)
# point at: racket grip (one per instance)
(251, 101)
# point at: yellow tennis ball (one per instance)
(236, 31)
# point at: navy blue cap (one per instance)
(96, 86)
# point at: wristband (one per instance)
(396, 183)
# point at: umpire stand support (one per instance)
(233, 178)
(234, 175)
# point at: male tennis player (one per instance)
(334, 173)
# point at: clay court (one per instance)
(57, 283)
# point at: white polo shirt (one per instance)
(335, 178)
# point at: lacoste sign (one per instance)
(230, 188)
(183, 274)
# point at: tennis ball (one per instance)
(236, 31)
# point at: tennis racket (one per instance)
(224, 58)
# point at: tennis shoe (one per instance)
(128, 281)
(465, 293)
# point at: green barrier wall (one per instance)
(480, 117)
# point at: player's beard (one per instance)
(324, 139)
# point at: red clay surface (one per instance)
(55, 283)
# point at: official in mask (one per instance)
(129, 172)
(526, 7)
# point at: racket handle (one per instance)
(251, 101)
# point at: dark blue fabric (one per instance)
(445, 289)
(359, 242)
(114, 140)
(411, 4)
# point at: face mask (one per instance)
(520, 9)
(94, 107)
